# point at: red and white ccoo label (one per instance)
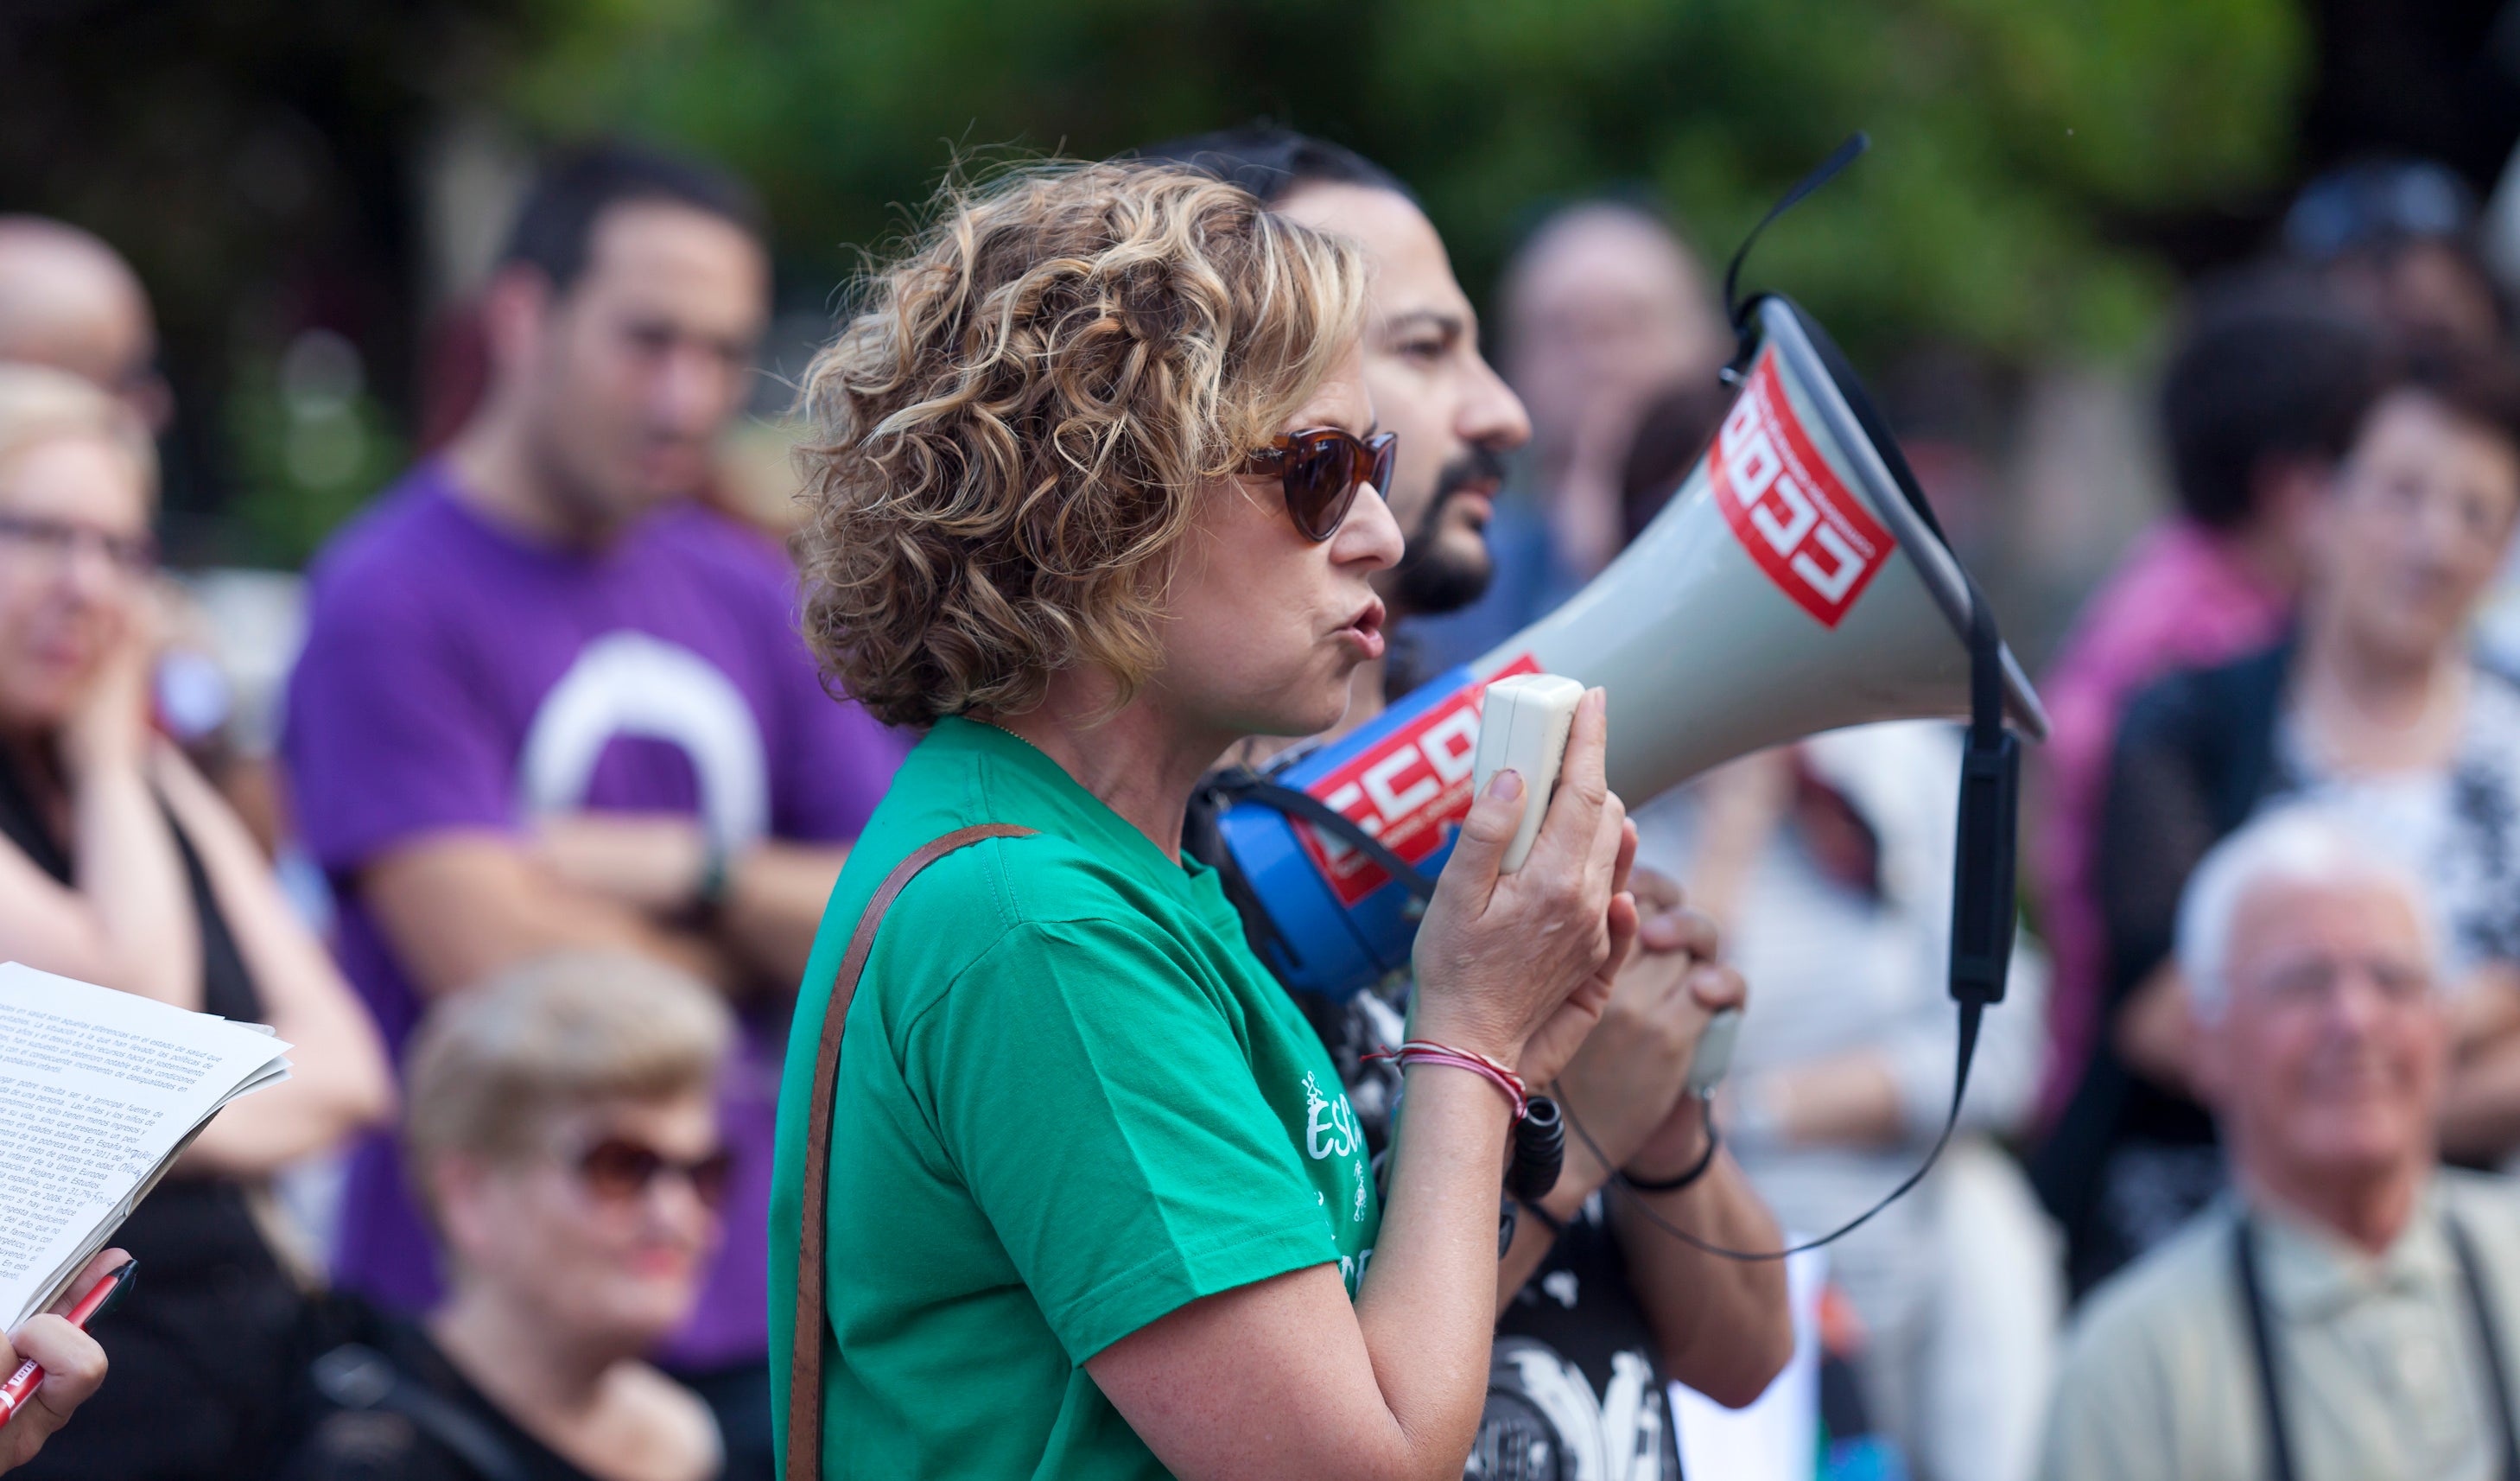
(1808, 531)
(1405, 789)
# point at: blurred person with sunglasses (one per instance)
(563, 1137)
(2374, 704)
(120, 866)
(549, 700)
(1602, 1301)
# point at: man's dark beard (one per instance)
(1430, 580)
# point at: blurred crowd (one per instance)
(523, 841)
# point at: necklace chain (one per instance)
(1017, 736)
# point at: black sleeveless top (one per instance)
(203, 1354)
(392, 1406)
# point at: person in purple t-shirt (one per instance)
(548, 701)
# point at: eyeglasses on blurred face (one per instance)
(1321, 471)
(2313, 983)
(57, 541)
(620, 1170)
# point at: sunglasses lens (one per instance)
(1387, 455)
(620, 1171)
(1314, 485)
(1318, 485)
(617, 1170)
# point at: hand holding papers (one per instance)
(100, 1092)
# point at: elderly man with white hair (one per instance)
(2349, 1310)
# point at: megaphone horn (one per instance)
(1796, 583)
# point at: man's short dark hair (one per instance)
(2270, 368)
(1272, 163)
(556, 228)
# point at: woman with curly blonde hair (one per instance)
(1096, 494)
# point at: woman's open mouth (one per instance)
(1365, 631)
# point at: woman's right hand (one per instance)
(1518, 967)
(73, 1366)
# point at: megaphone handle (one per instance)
(1982, 868)
(1734, 308)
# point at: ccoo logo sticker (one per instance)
(1814, 538)
(1405, 789)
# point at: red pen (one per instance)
(30, 1374)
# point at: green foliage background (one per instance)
(2020, 144)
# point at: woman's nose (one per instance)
(675, 1207)
(1371, 536)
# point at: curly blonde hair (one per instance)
(1006, 440)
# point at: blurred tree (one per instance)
(2020, 149)
(262, 160)
(255, 159)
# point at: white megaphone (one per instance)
(1796, 583)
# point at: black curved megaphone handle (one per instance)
(1734, 308)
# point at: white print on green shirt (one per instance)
(1353, 1271)
(1330, 1125)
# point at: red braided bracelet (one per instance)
(1428, 1051)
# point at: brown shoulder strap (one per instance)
(805, 1359)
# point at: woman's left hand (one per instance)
(1517, 967)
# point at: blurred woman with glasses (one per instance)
(120, 866)
(563, 1134)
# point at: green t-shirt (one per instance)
(1070, 1102)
